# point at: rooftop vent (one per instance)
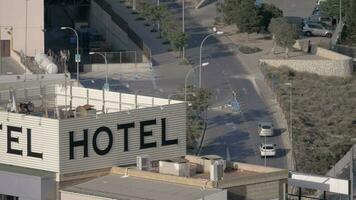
(143, 163)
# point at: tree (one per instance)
(199, 99)
(229, 8)
(179, 39)
(349, 32)
(146, 12)
(332, 7)
(284, 34)
(246, 17)
(267, 12)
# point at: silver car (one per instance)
(316, 29)
(265, 129)
(268, 150)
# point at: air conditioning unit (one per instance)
(217, 170)
(143, 162)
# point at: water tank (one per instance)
(46, 64)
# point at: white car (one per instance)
(265, 129)
(316, 29)
(268, 150)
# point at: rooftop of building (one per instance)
(170, 175)
(63, 101)
(134, 188)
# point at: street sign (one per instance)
(106, 87)
(77, 57)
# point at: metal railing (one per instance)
(125, 27)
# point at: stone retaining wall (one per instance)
(340, 68)
(330, 64)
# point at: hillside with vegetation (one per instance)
(323, 114)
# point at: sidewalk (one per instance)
(166, 66)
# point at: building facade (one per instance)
(22, 23)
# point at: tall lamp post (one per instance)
(290, 117)
(77, 56)
(183, 25)
(186, 78)
(106, 85)
(201, 47)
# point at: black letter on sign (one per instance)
(73, 144)
(166, 142)
(29, 148)
(13, 139)
(144, 133)
(95, 137)
(126, 133)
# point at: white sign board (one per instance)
(322, 183)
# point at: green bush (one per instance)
(249, 50)
(323, 114)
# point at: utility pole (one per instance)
(0, 53)
(26, 38)
(183, 26)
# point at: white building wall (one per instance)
(222, 195)
(44, 140)
(13, 13)
(51, 137)
(175, 129)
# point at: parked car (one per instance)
(265, 129)
(268, 150)
(316, 29)
(321, 18)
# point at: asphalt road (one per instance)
(229, 135)
(232, 136)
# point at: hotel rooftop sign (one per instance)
(128, 126)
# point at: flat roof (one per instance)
(25, 171)
(132, 188)
(57, 98)
(10, 66)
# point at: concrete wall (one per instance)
(65, 195)
(124, 68)
(346, 50)
(330, 64)
(114, 35)
(338, 68)
(261, 191)
(216, 196)
(12, 13)
(32, 77)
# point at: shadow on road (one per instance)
(282, 153)
(278, 131)
(233, 142)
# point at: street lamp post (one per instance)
(201, 47)
(290, 116)
(77, 56)
(186, 78)
(106, 85)
(183, 25)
